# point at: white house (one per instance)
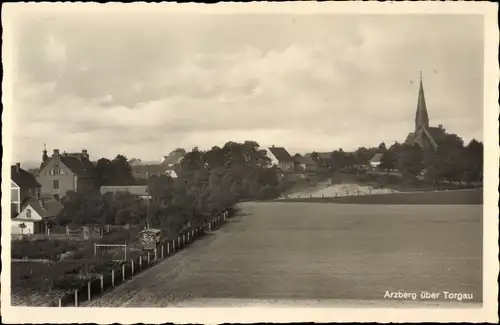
(280, 158)
(34, 215)
(376, 160)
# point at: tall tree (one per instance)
(410, 160)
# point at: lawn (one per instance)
(306, 251)
(460, 197)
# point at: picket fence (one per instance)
(95, 287)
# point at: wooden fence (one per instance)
(127, 269)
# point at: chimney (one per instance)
(85, 154)
(18, 167)
(41, 203)
(440, 126)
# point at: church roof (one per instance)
(421, 117)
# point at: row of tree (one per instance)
(208, 182)
(451, 161)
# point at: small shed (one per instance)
(150, 238)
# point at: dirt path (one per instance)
(303, 252)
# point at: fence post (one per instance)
(188, 237)
(113, 277)
(76, 298)
(156, 254)
(140, 262)
(132, 266)
(179, 241)
(149, 259)
(59, 303)
(102, 283)
(162, 249)
(88, 291)
(183, 239)
(125, 256)
(123, 272)
(95, 249)
(168, 248)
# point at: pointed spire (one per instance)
(422, 117)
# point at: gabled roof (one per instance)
(46, 207)
(377, 157)
(138, 190)
(135, 161)
(79, 165)
(22, 178)
(304, 160)
(174, 158)
(281, 154)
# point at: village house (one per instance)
(66, 172)
(280, 158)
(34, 216)
(143, 172)
(169, 165)
(376, 160)
(304, 163)
(23, 186)
(29, 211)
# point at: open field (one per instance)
(304, 252)
(460, 197)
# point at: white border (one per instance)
(245, 315)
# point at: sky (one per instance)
(144, 84)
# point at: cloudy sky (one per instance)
(143, 85)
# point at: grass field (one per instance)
(306, 252)
(460, 197)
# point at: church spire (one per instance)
(421, 117)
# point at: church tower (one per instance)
(422, 117)
(421, 135)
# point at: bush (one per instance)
(42, 249)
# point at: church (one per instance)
(422, 134)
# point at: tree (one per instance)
(474, 157)
(390, 158)
(382, 148)
(410, 161)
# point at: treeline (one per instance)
(208, 182)
(452, 161)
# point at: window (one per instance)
(28, 213)
(56, 184)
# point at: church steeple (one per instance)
(421, 117)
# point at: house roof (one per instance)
(304, 160)
(46, 207)
(173, 158)
(78, 165)
(135, 161)
(138, 190)
(22, 178)
(377, 157)
(146, 171)
(281, 154)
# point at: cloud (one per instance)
(319, 83)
